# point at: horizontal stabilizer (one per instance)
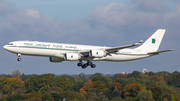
(159, 52)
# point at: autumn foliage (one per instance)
(86, 87)
(135, 86)
(114, 85)
(11, 84)
(132, 89)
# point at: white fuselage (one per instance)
(34, 48)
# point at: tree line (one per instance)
(135, 86)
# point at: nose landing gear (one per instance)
(19, 59)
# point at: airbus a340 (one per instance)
(58, 52)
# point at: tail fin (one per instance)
(153, 43)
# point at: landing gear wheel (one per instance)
(83, 67)
(79, 64)
(89, 63)
(93, 66)
(19, 59)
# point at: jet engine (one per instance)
(53, 59)
(97, 53)
(72, 56)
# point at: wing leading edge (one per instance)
(116, 49)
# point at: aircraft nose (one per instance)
(5, 47)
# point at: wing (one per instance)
(116, 49)
(111, 50)
(159, 52)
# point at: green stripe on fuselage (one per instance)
(72, 50)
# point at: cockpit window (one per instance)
(10, 43)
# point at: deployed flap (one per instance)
(116, 49)
(159, 52)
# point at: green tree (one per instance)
(117, 99)
(144, 77)
(53, 88)
(164, 74)
(64, 83)
(172, 98)
(79, 82)
(96, 74)
(121, 75)
(47, 97)
(16, 97)
(78, 86)
(103, 79)
(2, 79)
(81, 75)
(156, 78)
(144, 96)
(55, 95)
(136, 80)
(34, 99)
(115, 84)
(11, 84)
(123, 82)
(91, 96)
(150, 73)
(156, 91)
(109, 94)
(71, 78)
(34, 95)
(135, 74)
(72, 96)
(132, 90)
(25, 77)
(39, 83)
(166, 96)
(99, 86)
(169, 90)
(174, 79)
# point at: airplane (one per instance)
(58, 52)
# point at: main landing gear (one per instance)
(19, 59)
(86, 64)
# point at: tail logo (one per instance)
(153, 40)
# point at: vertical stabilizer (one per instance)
(153, 43)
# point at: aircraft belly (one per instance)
(33, 52)
(38, 52)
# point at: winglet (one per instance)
(138, 43)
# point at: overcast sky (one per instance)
(93, 22)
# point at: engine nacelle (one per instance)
(53, 59)
(97, 53)
(72, 56)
